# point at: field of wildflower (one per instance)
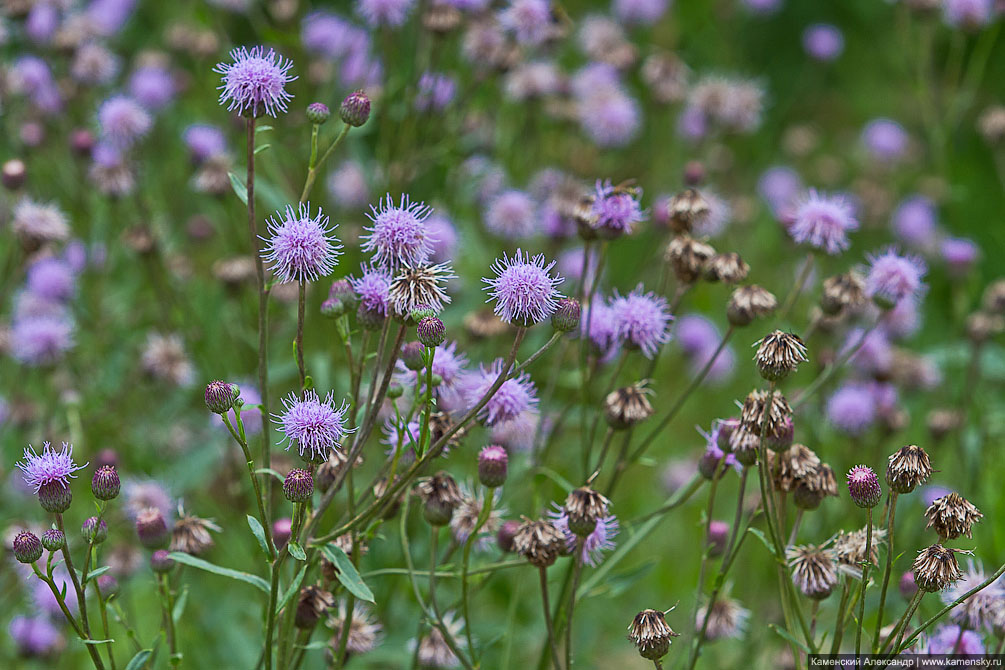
(500, 334)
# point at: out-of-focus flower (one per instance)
(123, 121)
(435, 91)
(823, 41)
(384, 12)
(822, 221)
(893, 277)
(512, 214)
(164, 358)
(915, 222)
(885, 140)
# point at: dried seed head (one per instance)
(952, 516)
(842, 292)
(365, 630)
(794, 465)
(585, 507)
(936, 568)
(766, 413)
(419, 285)
(441, 19)
(440, 424)
(981, 326)
(311, 606)
(811, 490)
(814, 570)
(540, 542)
(907, 468)
(849, 549)
(686, 209)
(651, 634)
(994, 297)
(628, 406)
(441, 496)
(687, 256)
(728, 267)
(748, 303)
(190, 534)
(727, 619)
(863, 486)
(941, 422)
(744, 443)
(484, 324)
(778, 354)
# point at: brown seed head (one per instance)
(539, 541)
(936, 568)
(687, 256)
(728, 267)
(814, 570)
(952, 515)
(766, 414)
(651, 634)
(748, 303)
(842, 292)
(908, 467)
(778, 354)
(686, 209)
(585, 507)
(628, 406)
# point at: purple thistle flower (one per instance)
(141, 494)
(512, 214)
(981, 611)
(967, 14)
(517, 434)
(316, 427)
(823, 221)
(596, 543)
(722, 368)
(823, 41)
(515, 396)
(616, 210)
(695, 334)
(108, 16)
(851, 409)
(885, 140)
(903, 320)
(35, 636)
(762, 6)
(152, 86)
(301, 248)
(373, 288)
(602, 323)
(123, 121)
(530, 21)
(255, 83)
(609, 116)
(384, 12)
(51, 279)
(915, 222)
(41, 22)
(642, 320)
(348, 185)
(435, 91)
(49, 467)
(640, 12)
(779, 186)
(204, 141)
(41, 339)
(328, 35)
(874, 355)
(393, 433)
(398, 235)
(522, 289)
(949, 639)
(893, 277)
(960, 254)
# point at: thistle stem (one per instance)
(299, 345)
(483, 517)
(891, 512)
(577, 571)
(865, 582)
(543, 572)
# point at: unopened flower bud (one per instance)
(220, 396)
(298, 487)
(332, 308)
(507, 531)
(55, 497)
(431, 331)
(161, 561)
(105, 483)
(311, 606)
(94, 530)
(355, 109)
(109, 585)
(151, 528)
(82, 142)
(863, 486)
(395, 390)
(27, 547)
(492, 462)
(53, 539)
(370, 318)
(718, 536)
(420, 312)
(318, 113)
(441, 497)
(566, 316)
(411, 355)
(281, 531)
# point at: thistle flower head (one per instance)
(616, 210)
(952, 516)
(190, 534)
(523, 290)
(298, 485)
(893, 277)
(726, 619)
(123, 121)
(220, 396)
(863, 486)
(53, 539)
(418, 286)
(312, 604)
(908, 467)
(628, 406)
(27, 547)
(105, 483)
(314, 426)
(398, 235)
(515, 395)
(597, 541)
(539, 541)
(50, 468)
(151, 528)
(814, 570)
(687, 209)
(936, 568)
(651, 634)
(566, 316)
(255, 82)
(983, 610)
(641, 320)
(687, 257)
(365, 630)
(373, 289)
(778, 354)
(433, 651)
(441, 496)
(748, 303)
(300, 247)
(849, 549)
(729, 268)
(766, 413)
(512, 214)
(492, 465)
(842, 292)
(823, 221)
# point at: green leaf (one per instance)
(759, 534)
(347, 573)
(97, 641)
(269, 471)
(97, 573)
(555, 477)
(262, 148)
(245, 577)
(262, 129)
(239, 188)
(297, 552)
(316, 644)
(259, 533)
(291, 589)
(140, 659)
(179, 606)
(788, 636)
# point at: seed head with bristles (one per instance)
(441, 496)
(936, 568)
(686, 209)
(651, 634)
(727, 267)
(190, 534)
(778, 354)
(814, 570)
(766, 413)
(628, 406)
(585, 507)
(849, 549)
(419, 284)
(539, 541)
(952, 516)
(687, 257)
(842, 292)
(908, 467)
(748, 303)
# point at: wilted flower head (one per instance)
(123, 121)
(433, 650)
(814, 570)
(727, 619)
(398, 235)
(908, 467)
(687, 257)
(981, 611)
(595, 543)
(441, 497)
(523, 290)
(365, 630)
(419, 285)
(750, 302)
(540, 542)
(164, 358)
(849, 549)
(651, 634)
(255, 82)
(314, 426)
(641, 320)
(893, 277)
(190, 534)
(952, 516)
(766, 413)
(823, 221)
(936, 568)
(778, 354)
(37, 223)
(301, 247)
(628, 406)
(468, 512)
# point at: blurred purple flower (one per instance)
(823, 221)
(885, 140)
(823, 41)
(641, 319)
(512, 214)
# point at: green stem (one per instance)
(172, 639)
(891, 512)
(483, 517)
(266, 526)
(299, 343)
(865, 582)
(797, 288)
(543, 572)
(577, 571)
(839, 622)
(312, 171)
